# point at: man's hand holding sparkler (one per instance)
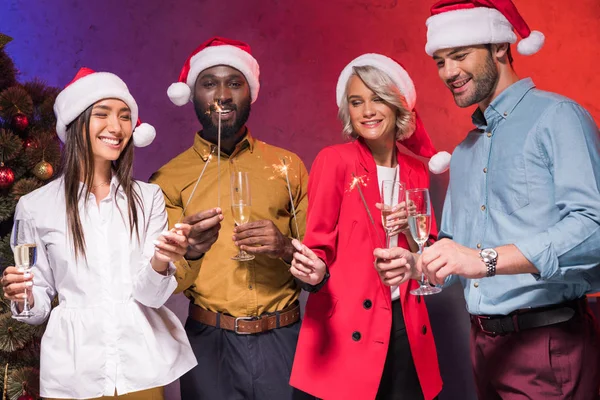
(202, 231)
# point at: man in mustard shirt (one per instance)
(244, 317)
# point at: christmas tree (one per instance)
(29, 155)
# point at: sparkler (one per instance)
(283, 170)
(357, 182)
(212, 152)
(219, 110)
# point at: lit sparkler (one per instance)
(282, 169)
(212, 152)
(219, 110)
(357, 182)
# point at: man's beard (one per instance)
(484, 84)
(229, 128)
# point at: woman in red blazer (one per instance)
(360, 338)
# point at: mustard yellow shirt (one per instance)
(215, 282)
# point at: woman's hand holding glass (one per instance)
(396, 220)
(17, 285)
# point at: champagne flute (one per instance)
(391, 193)
(418, 206)
(240, 206)
(24, 247)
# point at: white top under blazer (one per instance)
(111, 328)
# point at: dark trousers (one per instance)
(560, 361)
(232, 366)
(400, 379)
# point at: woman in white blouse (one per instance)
(103, 250)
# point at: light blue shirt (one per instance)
(529, 175)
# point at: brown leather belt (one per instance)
(246, 325)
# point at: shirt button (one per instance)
(476, 284)
(482, 208)
(478, 245)
(424, 329)
(367, 304)
(356, 336)
(489, 134)
(506, 113)
(485, 170)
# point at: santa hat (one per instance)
(87, 88)
(213, 52)
(419, 142)
(456, 23)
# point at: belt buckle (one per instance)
(236, 325)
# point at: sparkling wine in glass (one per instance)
(392, 192)
(24, 248)
(418, 206)
(241, 202)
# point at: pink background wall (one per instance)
(301, 47)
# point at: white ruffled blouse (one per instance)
(111, 329)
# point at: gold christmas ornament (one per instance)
(43, 170)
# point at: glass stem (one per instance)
(387, 240)
(424, 282)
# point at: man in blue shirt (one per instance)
(521, 219)
(522, 213)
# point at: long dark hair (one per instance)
(78, 163)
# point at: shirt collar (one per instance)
(203, 147)
(116, 188)
(503, 105)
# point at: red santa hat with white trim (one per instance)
(89, 87)
(457, 23)
(215, 51)
(419, 142)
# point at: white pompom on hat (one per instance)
(419, 142)
(89, 87)
(213, 52)
(457, 23)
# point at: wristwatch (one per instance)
(490, 258)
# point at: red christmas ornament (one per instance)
(7, 177)
(20, 121)
(30, 143)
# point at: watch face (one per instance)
(488, 254)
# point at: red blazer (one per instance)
(330, 362)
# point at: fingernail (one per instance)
(29, 284)
(178, 226)
(26, 275)
(24, 296)
(165, 233)
(156, 242)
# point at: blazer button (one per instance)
(424, 329)
(356, 336)
(367, 304)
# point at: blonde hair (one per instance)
(380, 84)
